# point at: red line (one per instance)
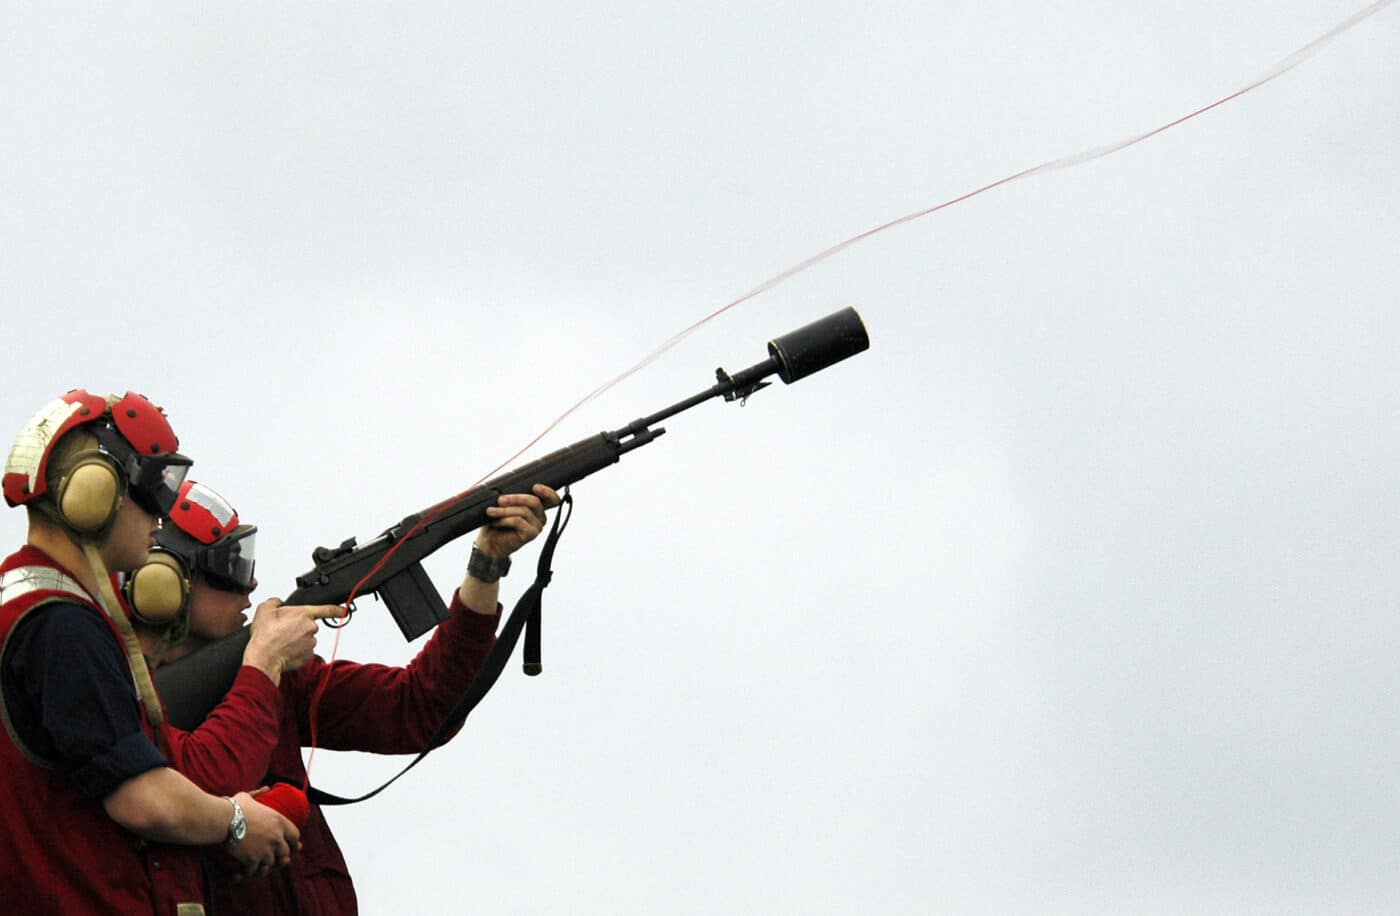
(1282, 67)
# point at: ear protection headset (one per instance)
(89, 492)
(159, 591)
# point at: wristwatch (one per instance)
(238, 826)
(485, 567)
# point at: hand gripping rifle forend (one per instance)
(192, 686)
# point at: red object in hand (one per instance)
(288, 801)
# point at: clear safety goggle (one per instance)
(228, 564)
(153, 481)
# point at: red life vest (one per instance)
(60, 853)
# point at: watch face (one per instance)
(239, 828)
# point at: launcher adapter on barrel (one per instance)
(822, 343)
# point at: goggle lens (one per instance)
(157, 484)
(228, 565)
(153, 481)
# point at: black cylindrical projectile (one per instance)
(822, 343)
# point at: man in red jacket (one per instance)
(373, 708)
(89, 799)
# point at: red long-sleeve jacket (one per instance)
(256, 734)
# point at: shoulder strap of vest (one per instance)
(22, 580)
(145, 689)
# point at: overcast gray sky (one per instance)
(1075, 594)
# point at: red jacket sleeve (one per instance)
(230, 751)
(387, 710)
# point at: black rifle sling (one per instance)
(525, 615)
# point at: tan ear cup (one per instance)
(159, 590)
(90, 494)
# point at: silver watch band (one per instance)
(237, 825)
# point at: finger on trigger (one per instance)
(324, 611)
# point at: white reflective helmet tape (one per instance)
(33, 442)
(215, 504)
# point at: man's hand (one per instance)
(270, 841)
(517, 519)
(284, 635)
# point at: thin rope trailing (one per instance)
(1283, 66)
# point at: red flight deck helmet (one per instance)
(204, 531)
(201, 533)
(135, 455)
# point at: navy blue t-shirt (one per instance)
(71, 700)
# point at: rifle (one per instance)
(192, 686)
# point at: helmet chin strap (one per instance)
(108, 599)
